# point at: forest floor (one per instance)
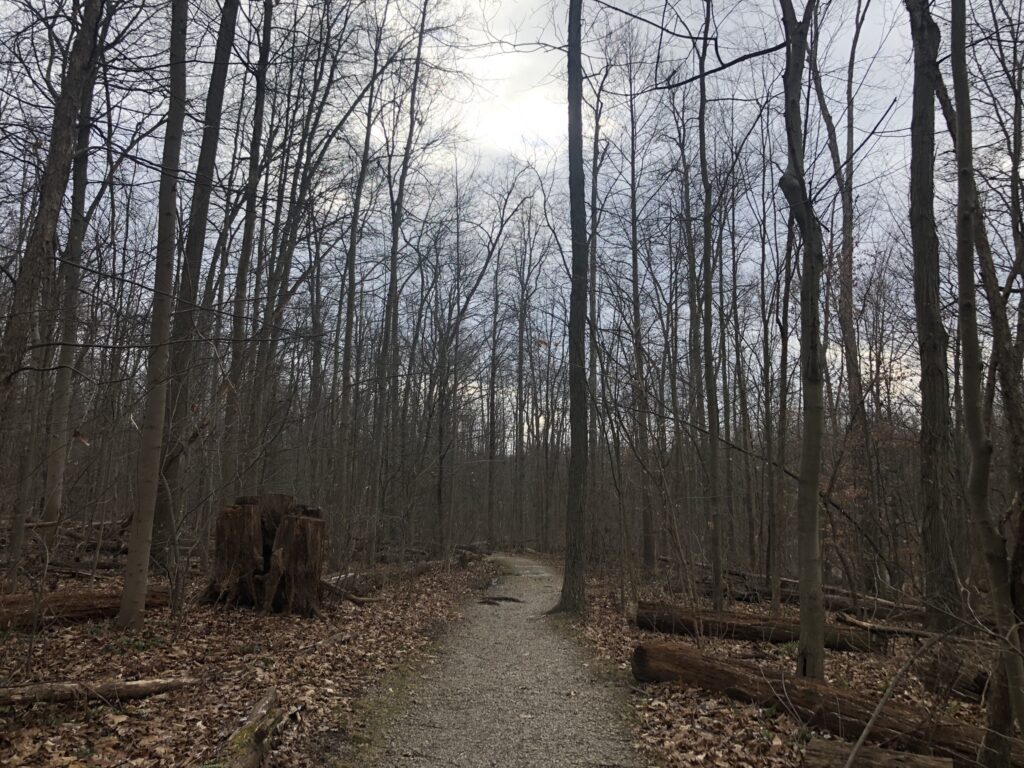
(691, 728)
(320, 668)
(403, 682)
(509, 686)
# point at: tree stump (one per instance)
(292, 584)
(269, 555)
(238, 556)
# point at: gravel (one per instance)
(511, 688)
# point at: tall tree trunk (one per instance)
(992, 541)
(232, 450)
(70, 274)
(183, 325)
(639, 367)
(133, 599)
(39, 249)
(942, 532)
(811, 658)
(573, 597)
(713, 486)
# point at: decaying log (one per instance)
(354, 584)
(831, 753)
(107, 690)
(751, 588)
(292, 585)
(884, 629)
(28, 610)
(250, 745)
(841, 711)
(675, 619)
(957, 668)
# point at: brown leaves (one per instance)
(319, 666)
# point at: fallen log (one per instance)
(354, 584)
(883, 629)
(675, 619)
(841, 711)
(750, 588)
(831, 753)
(107, 690)
(250, 745)
(28, 610)
(958, 669)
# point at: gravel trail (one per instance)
(511, 688)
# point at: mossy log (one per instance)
(249, 746)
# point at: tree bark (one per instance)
(674, 619)
(811, 658)
(833, 753)
(39, 249)
(573, 597)
(141, 537)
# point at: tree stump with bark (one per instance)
(238, 556)
(292, 584)
(269, 555)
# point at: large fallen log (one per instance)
(675, 619)
(107, 690)
(841, 711)
(28, 610)
(831, 753)
(250, 745)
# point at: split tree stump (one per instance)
(268, 554)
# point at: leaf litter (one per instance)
(320, 668)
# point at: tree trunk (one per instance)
(811, 658)
(942, 531)
(149, 476)
(40, 247)
(992, 542)
(573, 598)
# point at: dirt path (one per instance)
(511, 688)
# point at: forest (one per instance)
(343, 337)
